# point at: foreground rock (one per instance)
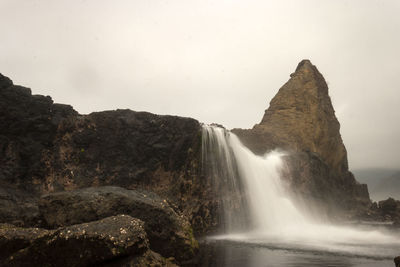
(13, 239)
(169, 233)
(301, 120)
(18, 207)
(93, 243)
(47, 147)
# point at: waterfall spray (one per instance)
(258, 209)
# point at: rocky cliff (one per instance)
(301, 120)
(47, 148)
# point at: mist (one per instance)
(215, 61)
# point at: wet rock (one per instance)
(170, 234)
(78, 245)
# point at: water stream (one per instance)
(258, 210)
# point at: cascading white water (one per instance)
(271, 209)
(274, 218)
(219, 163)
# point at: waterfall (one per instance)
(247, 182)
(257, 207)
(219, 163)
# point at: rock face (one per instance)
(47, 147)
(28, 128)
(386, 210)
(93, 243)
(170, 234)
(18, 207)
(13, 239)
(301, 119)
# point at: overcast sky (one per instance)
(217, 61)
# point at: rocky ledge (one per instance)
(169, 233)
(100, 225)
(120, 238)
(47, 147)
(136, 163)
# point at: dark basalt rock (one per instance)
(47, 147)
(28, 126)
(18, 207)
(135, 150)
(13, 239)
(170, 234)
(93, 243)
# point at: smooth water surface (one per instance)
(235, 254)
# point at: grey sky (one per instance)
(217, 61)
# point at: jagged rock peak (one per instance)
(305, 63)
(301, 117)
(306, 67)
(301, 120)
(306, 88)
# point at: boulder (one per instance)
(93, 243)
(169, 233)
(13, 238)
